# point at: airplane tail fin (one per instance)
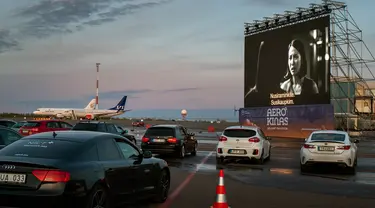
(91, 104)
(121, 105)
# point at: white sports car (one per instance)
(328, 146)
(243, 142)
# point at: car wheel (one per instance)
(182, 152)
(194, 152)
(163, 187)
(219, 160)
(260, 161)
(98, 198)
(303, 168)
(269, 155)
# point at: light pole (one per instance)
(97, 85)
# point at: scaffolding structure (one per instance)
(347, 48)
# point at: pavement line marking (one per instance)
(187, 180)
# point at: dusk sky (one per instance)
(161, 53)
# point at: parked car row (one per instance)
(321, 147)
(77, 167)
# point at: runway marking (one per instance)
(187, 180)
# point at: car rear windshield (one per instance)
(86, 126)
(31, 124)
(328, 137)
(160, 131)
(41, 148)
(19, 124)
(241, 133)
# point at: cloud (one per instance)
(6, 41)
(71, 103)
(182, 89)
(51, 17)
(219, 66)
(113, 95)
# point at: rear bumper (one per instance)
(161, 148)
(27, 201)
(308, 158)
(251, 153)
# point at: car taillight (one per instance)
(254, 139)
(223, 139)
(172, 140)
(308, 146)
(145, 139)
(51, 175)
(346, 147)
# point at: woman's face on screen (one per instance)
(294, 61)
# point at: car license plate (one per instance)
(158, 140)
(236, 151)
(12, 178)
(25, 131)
(326, 149)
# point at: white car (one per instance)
(331, 147)
(243, 142)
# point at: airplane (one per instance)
(91, 104)
(84, 113)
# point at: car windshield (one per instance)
(328, 137)
(19, 124)
(41, 148)
(242, 133)
(160, 131)
(86, 127)
(31, 124)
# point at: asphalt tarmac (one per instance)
(277, 183)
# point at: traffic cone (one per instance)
(221, 199)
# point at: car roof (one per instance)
(76, 136)
(243, 127)
(94, 122)
(42, 121)
(166, 125)
(7, 120)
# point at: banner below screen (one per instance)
(296, 121)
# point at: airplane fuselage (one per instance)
(79, 113)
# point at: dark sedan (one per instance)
(167, 139)
(79, 169)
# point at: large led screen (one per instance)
(288, 65)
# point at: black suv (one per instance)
(166, 139)
(103, 127)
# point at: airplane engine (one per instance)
(89, 116)
(59, 115)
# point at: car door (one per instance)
(142, 168)
(118, 171)
(266, 143)
(65, 126)
(52, 126)
(190, 142)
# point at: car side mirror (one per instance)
(356, 141)
(147, 154)
(125, 131)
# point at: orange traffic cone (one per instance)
(221, 200)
